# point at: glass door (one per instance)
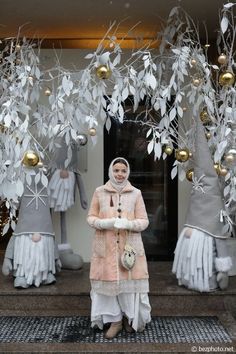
(153, 179)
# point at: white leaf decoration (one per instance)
(224, 24)
(174, 172)
(104, 58)
(150, 146)
(230, 4)
(44, 180)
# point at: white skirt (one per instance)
(135, 307)
(61, 191)
(33, 260)
(194, 261)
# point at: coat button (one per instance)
(119, 210)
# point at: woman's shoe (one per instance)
(114, 329)
(127, 326)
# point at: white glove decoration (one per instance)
(107, 224)
(223, 280)
(7, 266)
(123, 224)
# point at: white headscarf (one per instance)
(114, 183)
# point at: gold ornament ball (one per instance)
(217, 167)
(182, 155)
(189, 174)
(92, 131)
(229, 158)
(40, 164)
(193, 62)
(47, 91)
(103, 72)
(196, 82)
(30, 158)
(208, 135)
(18, 47)
(222, 59)
(227, 78)
(168, 150)
(223, 171)
(205, 118)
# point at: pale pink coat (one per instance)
(107, 244)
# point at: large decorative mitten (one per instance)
(107, 224)
(7, 266)
(123, 224)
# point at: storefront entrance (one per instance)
(153, 179)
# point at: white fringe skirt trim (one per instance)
(193, 261)
(61, 191)
(135, 307)
(33, 260)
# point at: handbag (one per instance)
(128, 257)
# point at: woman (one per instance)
(119, 296)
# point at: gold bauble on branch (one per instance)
(204, 116)
(189, 174)
(208, 135)
(230, 156)
(182, 155)
(18, 47)
(227, 78)
(223, 171)
(47, 91)
(103, 72)
(193, 61)
(217, 167)
(30, 158)
(168, 150)
(92, 131)
(40, 164)
(222, 59)
(196, 82)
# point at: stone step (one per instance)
(70, 295)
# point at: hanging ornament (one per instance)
(222, 59)
(92, 131)
(168, 150)
(182, 155)
(103, 72)
(81, 139)
(30, 158)
(193, 62)
(227, 78)
(189, 174)
(217, 167)
(230, 156)
(40, 164)
(184, 109)
(204, 116)
(196, 81)
(208, 135)
(47, 91)
(18, 47)
(223, 171)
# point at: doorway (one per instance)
(160, 193)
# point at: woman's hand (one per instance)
(106, 224)
(123, 224)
